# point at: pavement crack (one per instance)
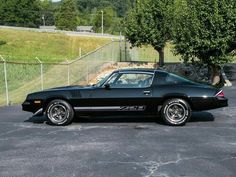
(152, 167)
(11, 131)
(228, 158)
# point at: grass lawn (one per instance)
(48, 47)
(24, 46)
(25, 78)
(148, 53)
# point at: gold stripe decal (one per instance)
(111, 108)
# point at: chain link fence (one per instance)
(19, 79)
(147, 53)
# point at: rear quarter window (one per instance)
(171, 79)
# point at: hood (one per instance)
(69, 88)
(66, 88)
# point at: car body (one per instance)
(135, 91)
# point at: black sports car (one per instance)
(141, 91)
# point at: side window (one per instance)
(175, 79)
(164, 78)
(171, 79)
(161, 78)
(132, 80)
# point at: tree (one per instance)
(20, 13)
(120, 6)
(149, 23)
(205, 32)
(66, 17)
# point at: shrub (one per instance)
(2, 42)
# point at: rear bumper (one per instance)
(221, 102)
(209, 103)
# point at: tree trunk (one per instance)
(161, 56)
(215, 74)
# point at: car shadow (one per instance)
(37, 119)
(202, 117)
(196, 117)
(100, 119)
(118, 119)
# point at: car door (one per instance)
(124, 91)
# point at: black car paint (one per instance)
(144, 100)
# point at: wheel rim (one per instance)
(176, 113)
(58, 113)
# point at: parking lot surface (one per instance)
(119, 146)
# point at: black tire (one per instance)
(176, 112)
(60, 112)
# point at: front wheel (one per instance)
(60, 112)
(176, 112)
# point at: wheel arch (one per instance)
(178, 96)
(49, 99)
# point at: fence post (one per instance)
(125, 52)
(41, 72)
(68, 72)
(5, 78)
(120, 48)
(113, 49)
(80, 52)
(87, 68)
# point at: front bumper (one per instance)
(30, 106)
(39, 112)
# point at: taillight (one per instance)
(220, 94)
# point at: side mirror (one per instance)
(107, 87)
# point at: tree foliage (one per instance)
(66, 17)
(150, 23)
(15, 13)
(205, 31)
(120, 6)
(90, 13)
(20, 13)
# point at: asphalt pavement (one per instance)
(119, 146)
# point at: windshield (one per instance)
(102, 81)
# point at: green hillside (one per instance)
(48, 47)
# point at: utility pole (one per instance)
(102, 23)
(43, 17)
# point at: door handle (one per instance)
(147, 92)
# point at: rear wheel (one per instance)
(60, 112)
(176, 112)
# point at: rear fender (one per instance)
(177, 95)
